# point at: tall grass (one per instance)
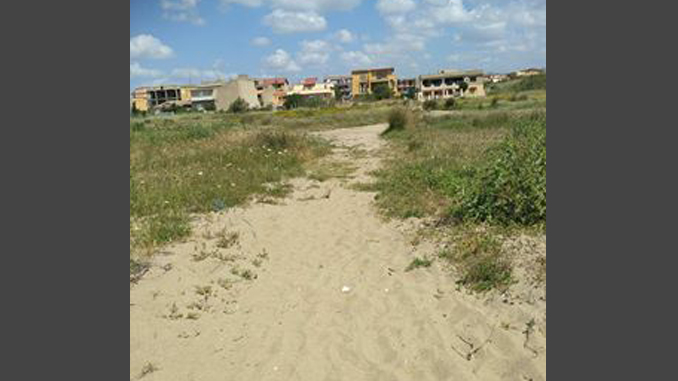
(511, 186)
(194, 169)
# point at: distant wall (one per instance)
(227, 93)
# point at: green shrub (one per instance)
(398, 119)
(478, 257)
(239, 105)
(449, 103)
(511, 186)
(382, 91)
(430, 104)
(494, 103)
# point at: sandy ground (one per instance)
(327, 297)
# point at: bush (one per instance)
(398, 119)
(449, 103)
(239, 105)
(495, 103)
(430, 104)
(382, 91)
(511, 186)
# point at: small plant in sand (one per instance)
(227, 240)
(419, 262)
(148, 368)
(246, 274)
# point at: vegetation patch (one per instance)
(179, 168)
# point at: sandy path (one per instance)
(294, 322)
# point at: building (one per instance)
(495, 78)
(529, 72)
(203, 96)
(407, 85)
(342, 84)
(449, 83)
(140, 99)
(225, 93)
(271, 91)
(158, 95)
(363, 82)
(310, 87)
(220, 95)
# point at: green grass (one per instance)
(478, 257)
(182, 166)
(418, 263)
(472, 170)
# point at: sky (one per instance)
(189, 41)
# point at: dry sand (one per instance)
(329, 299)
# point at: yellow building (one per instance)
(145, 98)
(365, 81)
(140, 98)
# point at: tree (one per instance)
(239, 105)
(382, 91)
(338, 94)
(463, 86)
(292, 101)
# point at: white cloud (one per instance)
(345, 36)
(395, 6)
(316, 52)
(281, 61)
(260, 41)
(182, 10)
(356, 58)
(136, 70)
(298, 5)
(316, 5)
(147, 46)
(289, 22)
(194, 74)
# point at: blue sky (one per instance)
(182, 41)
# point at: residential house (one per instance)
(311, 88)
(220, 95)
(363, 82)
(448, 83)
(529, 72)
(170, 94)
(342, 84)
(140, 99)
(407, 85)
(271, 91)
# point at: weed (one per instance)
(511, 186)
(224, 283)
(137, 269)
(227, 240)
(419, 262)
(147, 369)
(174, 312)
(398, 119)
(430, 104)
(192, 316)
(204, 291)
(246, 274)
(479, 259)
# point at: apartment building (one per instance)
(342, 83)
(271, 91)
(451, 83)
(220, 95)
(363, 82)
(310, 87)
(140, 99)
(529, 72)
(407, 85)
(158, 95)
